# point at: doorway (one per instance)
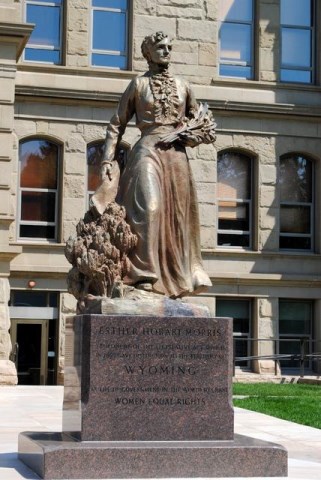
(30, 345)
(34, 336)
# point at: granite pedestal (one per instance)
(148, 397)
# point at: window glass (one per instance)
(94, 158)
(236, 38)
(49, 56)
(295, 243)
(27, 298)
(236, 42)
(234, 199)
(297, 38)
(53, 299)
(44, 44)
(300, 15)
(38, 189)
(39, 232)
(295, 317)
(113, 38)
(296, 202)
(237, 309)
(240, 311)
(39, 206)
(109, 33)
(295, 219)
(296, 47)
(233, 175)
(295, 325)
(122, 4)
(106, 60)
(234, 71)
(296, 76)
(46, 20)
(38, 164)
(296, 179)
(235, 214)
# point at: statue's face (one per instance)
(160, 53)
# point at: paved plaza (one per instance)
(29, 408)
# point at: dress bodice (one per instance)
(153, 106)
(146, 113)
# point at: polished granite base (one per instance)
(148, 378)
(59, 456)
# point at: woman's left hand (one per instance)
(189, 140)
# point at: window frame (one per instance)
(285, 336)
(245, 364)
(311, 205)
(253, 62)
(312, 29)
(249, 202)
(125, 53)
(54, 224)
(42, 47)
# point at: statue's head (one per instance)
(157, 49)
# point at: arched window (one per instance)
(95, 153)
(38, 198)
(296, 202)
(234, 171)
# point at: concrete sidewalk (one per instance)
(28, 408)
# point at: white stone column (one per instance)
(267, 329)
(269, 29)
(8, 374)
(13, 37)
(68, 305)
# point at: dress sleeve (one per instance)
(117, 125)
(191, 103)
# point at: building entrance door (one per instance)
(30, 343)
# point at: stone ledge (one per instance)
(17, 33)
(9, 252)
(83, 71)
(58, 456)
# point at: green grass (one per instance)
(298, 403)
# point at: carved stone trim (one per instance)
(17, 33)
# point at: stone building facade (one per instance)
(261, 243)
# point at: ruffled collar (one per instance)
(166, 101)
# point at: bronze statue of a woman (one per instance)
(156, 187)
(142, 230)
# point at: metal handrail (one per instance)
(301, 357)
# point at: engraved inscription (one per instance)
(197, 332)
(160, 401)
(159, 366)
(161, 370)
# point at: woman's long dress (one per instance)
(158, 191)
